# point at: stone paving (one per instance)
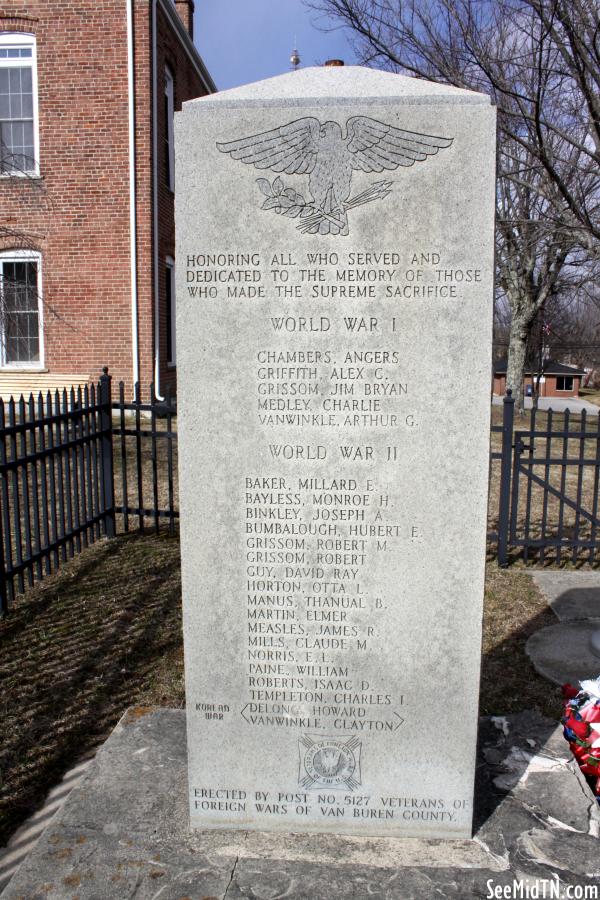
(25, 838)
(564, 652)
(123, 832)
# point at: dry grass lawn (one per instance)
(101, 635)
(592, 395)
(513, 610)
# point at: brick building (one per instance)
(556, 380)
(87, 95)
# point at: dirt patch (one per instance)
(137, 712)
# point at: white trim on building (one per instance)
(16, 256)
(14, 41)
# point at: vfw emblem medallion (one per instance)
(329, 763)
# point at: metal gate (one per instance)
(550, 474)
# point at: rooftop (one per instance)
(549, 368)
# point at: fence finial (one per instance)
(105, 370)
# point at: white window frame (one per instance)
(171, 350)
(25, 41)
(170, 98)
(18, 256)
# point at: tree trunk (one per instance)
(517, 349)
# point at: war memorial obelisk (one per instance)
(334, 310)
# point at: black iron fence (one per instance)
(548, 486)
(80, 465)
(76, 466)
(145, 461)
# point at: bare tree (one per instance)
(570, 331)
(534, 258)
(564, 113)
(523, 53)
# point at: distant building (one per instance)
(87, 95)
(557, 380)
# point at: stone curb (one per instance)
(123, 832)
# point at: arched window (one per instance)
(19, 142)
(21, 338)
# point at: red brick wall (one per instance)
(547, 387)
(499, 385)
(77, 213)
(187, 85)
(185, 8)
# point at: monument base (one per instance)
(125, 832)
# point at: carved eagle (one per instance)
(332, 762)
(320, 150)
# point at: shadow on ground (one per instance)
(75, 652)
(514, 609)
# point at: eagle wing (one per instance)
(331, 761)
(374, 146)
(292, 148)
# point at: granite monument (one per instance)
(334, 310)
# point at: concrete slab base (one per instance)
(123, 832)
(26, 837)
(572, 595)
(563, 653)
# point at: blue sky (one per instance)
(246, 40)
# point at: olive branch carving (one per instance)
(286, 201)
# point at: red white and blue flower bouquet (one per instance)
(581, 722)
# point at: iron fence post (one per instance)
(107, 453)
(508, 416)
(3, 579)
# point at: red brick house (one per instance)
(87, 95)
(557, 380)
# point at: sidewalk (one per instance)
(568, 651)
(576, 405)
